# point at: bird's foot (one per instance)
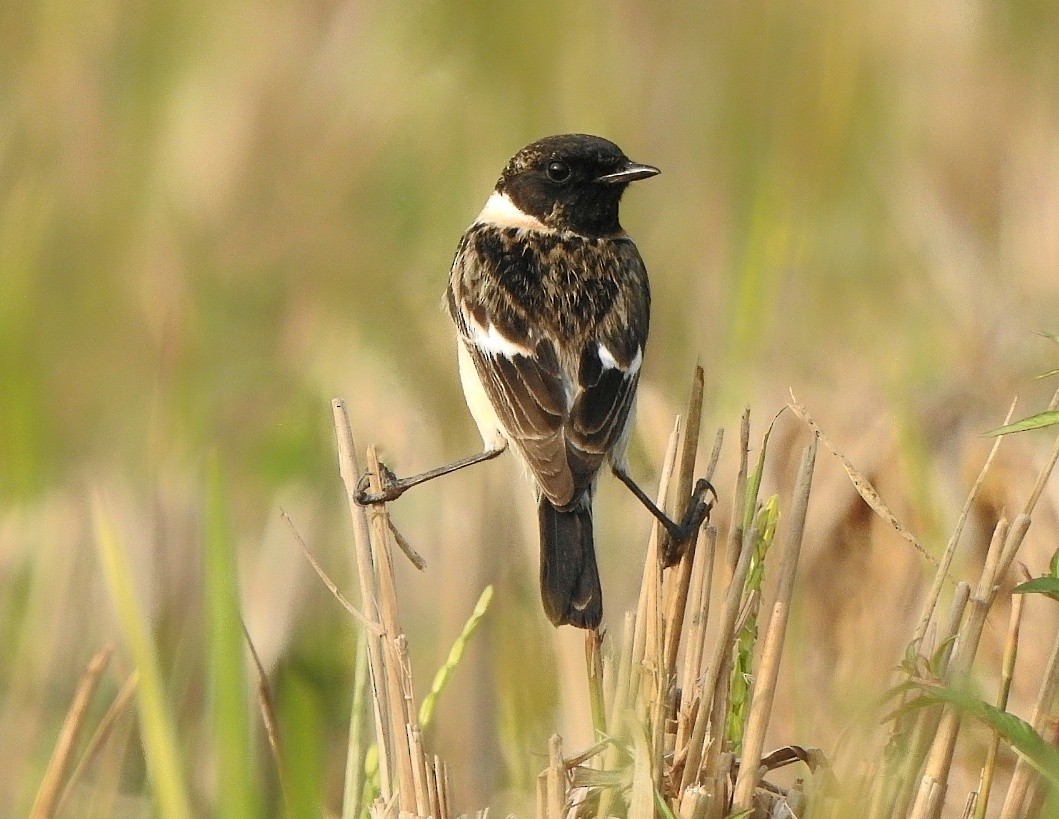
(698, 511)
(391, 489)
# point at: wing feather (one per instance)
(562, 390)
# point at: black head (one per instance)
(571, 182)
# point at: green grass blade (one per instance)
(441, 679)
(1019, 733)
(229, 696)
(1041, 419)
(156, 726)
(352, 792)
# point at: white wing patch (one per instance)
(499, 210)
(607, 359)
(491, 340)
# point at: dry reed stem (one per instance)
(715, 679)
(719, 803)
(594, 673)
(1025, 776)
(679, 577)
(392, 668)
(48, 792)
(688, 450)
(556, 779)
(616, 719)
(860, 483)
(350, 471)
(950, 548)
(931, 794)
(647, 634)
(654, 660)
(735, 530)
(642, 800)
(419, 770)
(701, 584)
(99, 738)
(1011, 647)
(446, 788)
(434, 774)
(694, 803)
(772, 650)
(895, 789)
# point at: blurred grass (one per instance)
(216, 217)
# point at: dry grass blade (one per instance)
(99, 738)
(413, 556)
(48, 792)
(680, 578)
(772, 651)
(268, 717)
(860, 483)
(326, 579)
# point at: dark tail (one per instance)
(569, 577)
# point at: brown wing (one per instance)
(527, 393)
(563, 399)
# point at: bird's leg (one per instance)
(393, 487)
(698, 510)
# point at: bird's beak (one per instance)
(629, 172)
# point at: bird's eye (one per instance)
(558, 172)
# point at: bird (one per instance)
(551, 303)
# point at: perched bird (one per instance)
(551, 304)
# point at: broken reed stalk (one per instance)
(678, 581)
(893, 792)
(1011, 647)
(48, 792)
(703, 692)
(714, 678)
(933, 783)
(556, 780)
(349, 468)
(772, 650)
(1022, 780)
(392, 667)
(410, 783)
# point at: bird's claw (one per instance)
(391, 488)
(697, 513)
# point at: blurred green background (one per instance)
(215, 217)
